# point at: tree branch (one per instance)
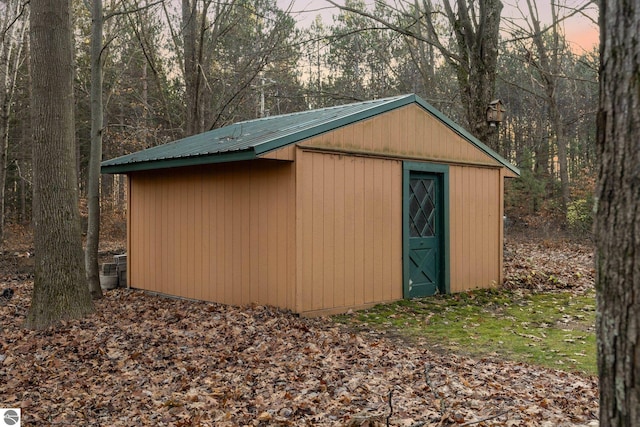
(390, 407)
(427, 369)
(23, 6)
(126, 12)
(399, 29)
(484, 419)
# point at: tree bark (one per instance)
(617, 225)
(549, 68)
(10, 55)
(474, 55)
(95, 155)
(191, 67)
(60, 288)
(5, 106)
(477, 42)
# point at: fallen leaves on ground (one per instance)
(548, 266)
(145, 360)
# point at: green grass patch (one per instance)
(555, 330)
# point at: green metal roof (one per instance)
(250, 139)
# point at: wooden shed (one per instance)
(318, 212)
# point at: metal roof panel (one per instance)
(248, 139)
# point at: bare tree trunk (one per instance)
(191, 68)
(476, 27)
(561, 142)
(477, 41)
(145, 105)
(60, 288)
(10, 54)
(23, 201)
(549, 68)
(618, 215)
(542, 153)
(27, 142)
(474, 56)
(4, 127)
(95, 156)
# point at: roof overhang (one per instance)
(178, 162)
(134, 163)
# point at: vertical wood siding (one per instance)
(285, 153)
(221, 233)
(409, 132)
(349, 231)
(312, 231)
(475, 227)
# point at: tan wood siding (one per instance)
(408, 132)
(475, 205)
(503, 174)
(285, 153)
(315, 227)
(349, 240)
(129, 240)
(221, 233)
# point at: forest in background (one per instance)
(176, 68)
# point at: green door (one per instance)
(425, 228)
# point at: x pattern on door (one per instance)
(422, 213)
(423, 266)
(423, 218)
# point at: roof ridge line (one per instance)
(331, 107)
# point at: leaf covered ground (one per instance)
(549, 266)
(146, 360)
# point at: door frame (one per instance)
(442, 171)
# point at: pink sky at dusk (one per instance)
(581, 31)
(584, 36)
(580, 28)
